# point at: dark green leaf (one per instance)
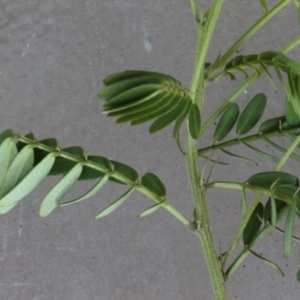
(130, 173)
(154, 184)
(194, 121)
(280, 205)
(226, 122)
(264, 4)
(273, 124)
(287, 193)
(251, 114)
(253, 225)
(298, 272)
(90, 173)
(6, 134)
(267, 179)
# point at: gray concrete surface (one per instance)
(53, 57)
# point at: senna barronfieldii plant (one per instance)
(141, 96)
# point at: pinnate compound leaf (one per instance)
(18, 169)
(127, 95)
(251, 114)
(194, 121)
(116, 204)
(273, 124)
(153, 184)
(30, 182)
(53, 198)
(267, 179)
(268, 262)
(226, 122)
(253, 225)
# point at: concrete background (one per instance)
(53, 57)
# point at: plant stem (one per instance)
(205, 31)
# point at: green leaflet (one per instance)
(63, 165)
(140, 96)
(116, 204)
(194, 118)
(287, 193)
(8, 133)
(92, 192)
(253, 225)
(267, 179)
(124, 170)
(8, 152)
(151, 209)
(273, 124)
(32, 180)
(289, 226)
(280, 205)
(239, 157)
(262, 153)
(292, 118)
(251, 114)
(153, 184)
(268, 262)
(298, 272)
(53, 198)
(226, 122)
(18, 169)
(264, 5)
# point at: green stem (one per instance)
(205, 31)
(253, 29)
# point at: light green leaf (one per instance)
(194, 121)
(239, 157)
(33, 179)
(226, 122)
(53, 198)
(268, 262)
(116, 204)
(92, 192)
(289, 226)
(251, 114)
(151, 209)
(8, 152)
(19, 168)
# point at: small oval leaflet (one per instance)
(226, 122)
(273, 124)
(194, 121)
(251, 114)
(253, 226)
(154, 184)
(266, 179)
